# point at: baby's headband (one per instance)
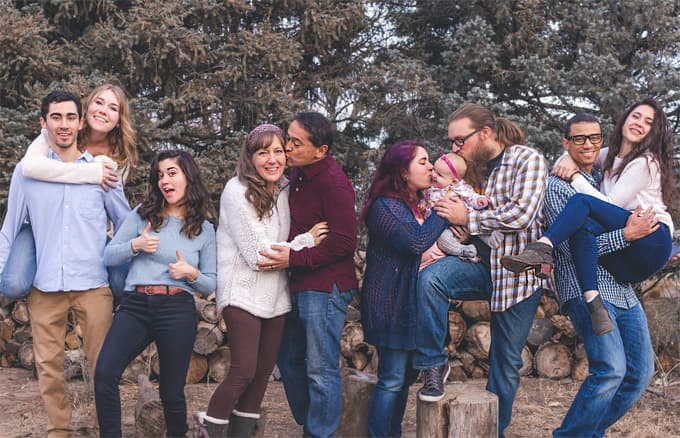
(451, 166)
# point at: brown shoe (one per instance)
(599, 317)
(536, 255)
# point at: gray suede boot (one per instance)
(536, 255)
(242, 424)
(209, 427)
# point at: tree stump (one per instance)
(149, 417)
(527, 362)
(553, 360)
(467, 410)
(476, 310)
(206, 310)
(26, 356)
(357, 390)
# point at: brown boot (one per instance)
(536, 255)
(599, 317)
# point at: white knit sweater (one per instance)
(240, 236)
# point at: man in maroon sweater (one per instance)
(322, 278)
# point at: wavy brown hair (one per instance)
(657, 143)
(256, 192)
(196, 200)
(122, 138)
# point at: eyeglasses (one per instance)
(581, 139)
(460, 141)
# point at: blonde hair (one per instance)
(122, 138)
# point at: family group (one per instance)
(487, 221)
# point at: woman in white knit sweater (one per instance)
(254, 214)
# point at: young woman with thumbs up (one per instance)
(172, 252)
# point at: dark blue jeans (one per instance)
(19, 272)
(583, 219)
(309, 359)
(454, 278)
(388, 403)
(170, 321)
(621, 365)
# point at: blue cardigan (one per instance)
(396, 242)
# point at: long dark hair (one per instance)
(389, 179)
(657, 142)
(196, 199)
(256, 192)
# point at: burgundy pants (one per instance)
(254, 343)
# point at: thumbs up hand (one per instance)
(145, 241)
(182, 269)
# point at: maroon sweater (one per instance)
(322, 192)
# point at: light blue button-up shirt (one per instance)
(69, 224)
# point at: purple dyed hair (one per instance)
(389, 178)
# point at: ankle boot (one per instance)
(536, 255)
(209, 427)
(599, 317)
(242, 424)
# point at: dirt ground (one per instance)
(539, 407)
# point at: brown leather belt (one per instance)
(158, 289)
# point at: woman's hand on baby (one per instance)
(319, 232)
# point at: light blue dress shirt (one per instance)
(69, 223)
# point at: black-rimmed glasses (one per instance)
(460, 141)
(581, 139)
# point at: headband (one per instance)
(451, 166)
(265, 127)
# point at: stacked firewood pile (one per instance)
(552, 350)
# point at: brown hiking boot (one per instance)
(536, 255)
(599, 317)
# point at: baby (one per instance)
(447, 180)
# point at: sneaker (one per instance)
(599, 317)
(435, 380)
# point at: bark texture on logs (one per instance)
(222, 325)
(23, 334)
(467, 410)
(457, 373)
(149, 417)
(478, 340)
(198, 367)
(352, 336)
(357, 390)
(540, 332)
(72, 340)
(549, 305)
(73, 364)
(26, 356)
(457, 329)
(580, 370)
(219, 363)
(476, 310)
(140, 365)
(362, 355)
(208, 338)
(20, 312)
(553, 360)
(527, 362)
(206, 310)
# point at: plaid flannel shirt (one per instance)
(515, 189)
(618, 294)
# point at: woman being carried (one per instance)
(171, 249)
(108, 132)
(254, 214)
(638, 173)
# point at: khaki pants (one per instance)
(93, 309)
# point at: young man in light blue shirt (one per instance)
(69, 225)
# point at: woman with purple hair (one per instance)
(399, 237)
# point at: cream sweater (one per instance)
(638, 185)
(240, 236)
(36, 165)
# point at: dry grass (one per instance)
(539, 407)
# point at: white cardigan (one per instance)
(240, 236)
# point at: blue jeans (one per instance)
(140, 320)
(395, 376)
(454, 278)
(621, 365)
(583, 218)
(309, 359)
(19, 272)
